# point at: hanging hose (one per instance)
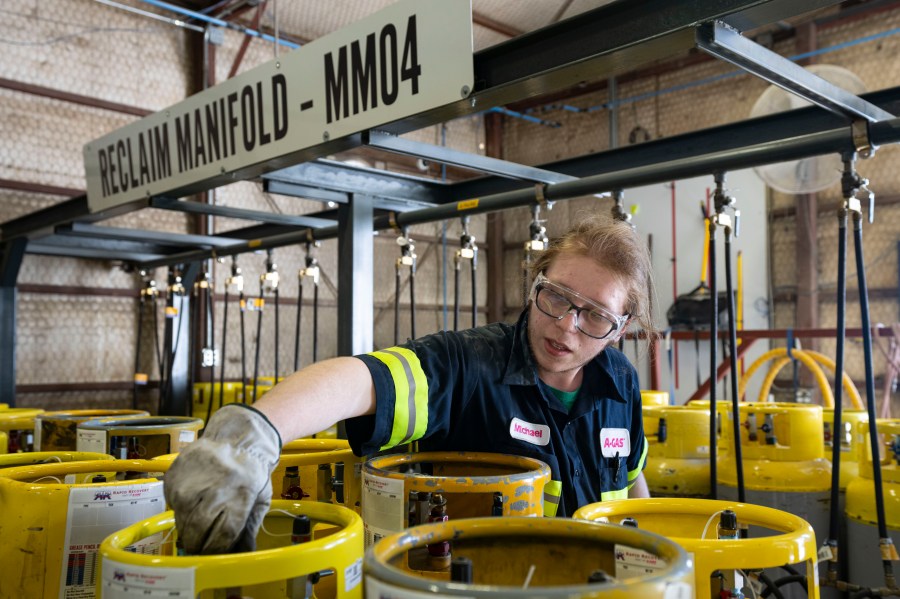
(148, 290)
(175, 289)
(537, 242)
(407, 259)
(268, 281)
(888, 552)
(137, 352)
(713, 342)
(732, 329)
(236, 280)
(468, 250)
(205, 286)
(310, 271)
(259, 306)
(834, 514)
(243, 305)
(723, 201)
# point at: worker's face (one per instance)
(559, 348)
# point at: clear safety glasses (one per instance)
(591, 318)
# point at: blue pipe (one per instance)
(218, 22)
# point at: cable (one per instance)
(708, 522)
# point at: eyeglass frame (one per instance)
(542, 282)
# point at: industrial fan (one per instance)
(809, 174)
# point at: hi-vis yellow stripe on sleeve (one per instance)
(411, 401)
(633, 474)
(552, 491)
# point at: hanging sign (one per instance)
(411, 57)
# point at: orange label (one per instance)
(467, 204)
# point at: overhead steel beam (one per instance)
(723, 42)
(474, 162)
(11, 255)
(163, 238)
(39, 247)
(404, 190)
(298, 190)
(777, 146)
(781, 126)
(240, 213)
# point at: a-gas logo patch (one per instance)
(615, 442)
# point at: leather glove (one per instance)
(220, 486)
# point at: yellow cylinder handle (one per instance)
(686, 520)
(13, 460)
(339, 553)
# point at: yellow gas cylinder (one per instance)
(17, 429)
(528, 557)
(32, 458)
(654, 398)
(406, 489)
(849, 446)
(678, 457)
(722, 560)
(320, 470)
(206, 398)
(285, 564)
(247, 397)
(138, 437)
(4, 406)
(863, 552)
(56, 515)
(784, 463)
(55, 431)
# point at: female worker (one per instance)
(551, 386)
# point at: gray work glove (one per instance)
(220, 486)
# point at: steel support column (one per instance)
(356, 315)
(11, 254)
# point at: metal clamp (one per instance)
(268, 281)
(311, 269)
(618, 208)
(236, 280)
(723, 201)
(468, 249)
(853, 186)
(540, 196)
(407, 251)
(862, 142)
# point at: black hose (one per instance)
(774, 587)
(397, 305)
(870, 383)
(243, 304)
(771, 587)
(456, 297)
(837, 425)
(137, 352)
(275, 294)
(222, 368)
(412, 302)
(259, 306)
(713, 334)
(315, 354)
(732, 336)
(211, 322)
(297, 328)
(474, 294)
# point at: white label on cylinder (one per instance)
(121, 581)
(678, 590)
(186, 437)
(353, 575)
(94, 513)
(632, 562)
(383, 509)
(376, 589)
(38, 425)
(91, 440)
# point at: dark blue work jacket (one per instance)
(478, 390)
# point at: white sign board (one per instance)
(412, 56)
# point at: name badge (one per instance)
(615, 441)
(537, 434)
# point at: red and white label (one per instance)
(537, 434)
(615, 442)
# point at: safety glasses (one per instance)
(591, 318)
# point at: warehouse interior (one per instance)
(747, 142)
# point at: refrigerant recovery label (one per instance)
(412, 56)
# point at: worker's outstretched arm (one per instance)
(220, 486)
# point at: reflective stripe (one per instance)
(411, 395)
(552, 491)
(633, 474)
(608, 495)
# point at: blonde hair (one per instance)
(616, 246)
